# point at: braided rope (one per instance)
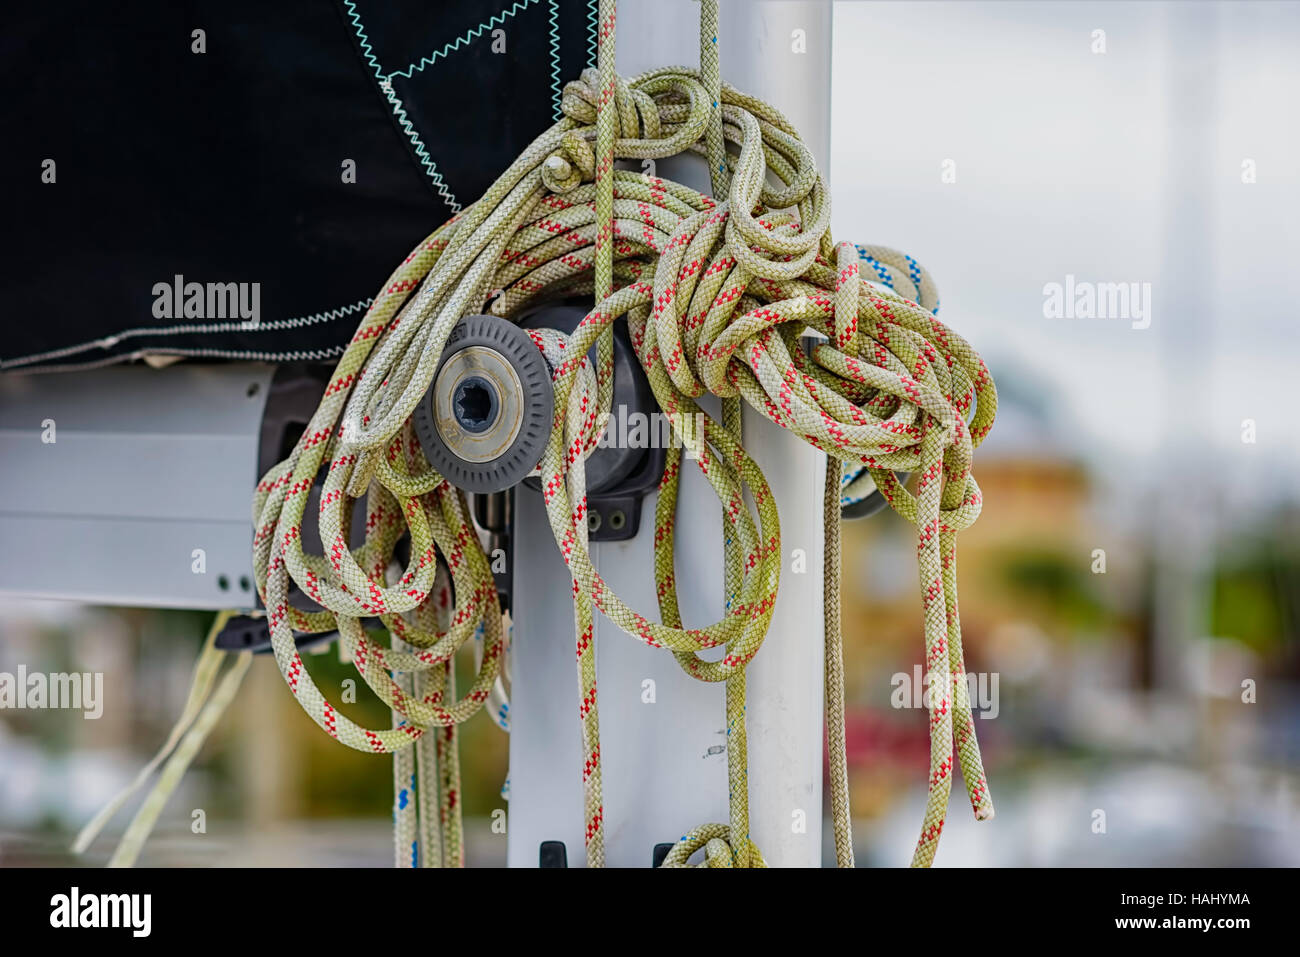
(836, 748)
(202, 708)
(717, 293)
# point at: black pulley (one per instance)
(614, 462)
(485, 419)
(868, 505)
(628, 464)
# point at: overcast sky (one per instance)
(1123, 166)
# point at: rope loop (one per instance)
(743, 295)
(719, 851)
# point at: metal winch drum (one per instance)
(485, 419)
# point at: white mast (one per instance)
(665, 762)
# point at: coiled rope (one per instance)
(718, 295)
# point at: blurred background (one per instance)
(1131, 593)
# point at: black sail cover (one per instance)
(236, 179)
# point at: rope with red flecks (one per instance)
(718, 296)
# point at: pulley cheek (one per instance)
(630, 459)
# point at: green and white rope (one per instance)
(207, 701)
(718, 294)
